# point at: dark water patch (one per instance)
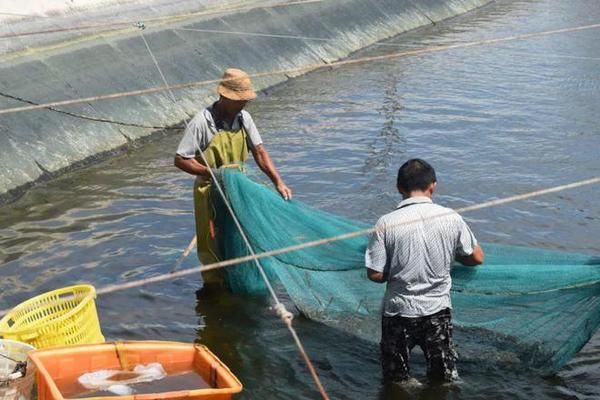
(494, 121)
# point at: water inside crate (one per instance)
(188, 380)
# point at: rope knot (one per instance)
(283, 313)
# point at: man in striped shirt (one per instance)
(412, 249)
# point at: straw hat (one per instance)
(236, 85)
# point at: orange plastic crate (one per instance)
(68, 363)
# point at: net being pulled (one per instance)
(523, 307)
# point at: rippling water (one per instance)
(494, 121)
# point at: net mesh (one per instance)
(523, 307)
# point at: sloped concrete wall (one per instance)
(35, 144)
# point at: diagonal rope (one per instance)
(9, 358)
(258, 34)
(301, 246)
(90, 118)
(11, 14)
(349, 235)
(278, 36)
(417, 52)
(279, 307)
(550, 55)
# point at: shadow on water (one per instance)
(429, 392)
(387, 147)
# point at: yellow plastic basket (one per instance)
(58, 318)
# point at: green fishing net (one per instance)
(523, 307)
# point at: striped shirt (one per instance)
(414, 246)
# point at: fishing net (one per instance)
(523, 307)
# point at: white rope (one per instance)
(283, 313)
(337, 238)
(279, 307)
(550, 55)
(23, 15)
(305, 68)
(167, 87)
(350, 235)
(259, 34)
(537, 193)
(277, 36)
(235, 261)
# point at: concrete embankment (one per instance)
(35, 144)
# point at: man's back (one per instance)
(415, 246)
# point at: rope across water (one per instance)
(349, 235)
(305, 68)
(235, 261)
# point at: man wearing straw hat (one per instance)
(220, 136)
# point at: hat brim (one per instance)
(236, 95)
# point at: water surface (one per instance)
(494, 121)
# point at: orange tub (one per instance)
(66, 364)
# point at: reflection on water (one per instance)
(386, 148)
(494, 121)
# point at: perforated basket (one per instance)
(61, 317)
(20, 388)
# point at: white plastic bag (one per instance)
(113, 380)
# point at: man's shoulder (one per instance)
(201, 120)
(246, 117)
(386, 218)
(429, 209)
(444, 213)
(391, 219)
(438, 207)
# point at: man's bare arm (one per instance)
(476, 258)
(191, 166)
(264, 162)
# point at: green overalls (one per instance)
(226, 147)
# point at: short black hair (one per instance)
(414, 175)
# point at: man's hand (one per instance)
(191, 166)
(474, 259)
(376, 276)
(284, 191)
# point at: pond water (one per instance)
(493, 120)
